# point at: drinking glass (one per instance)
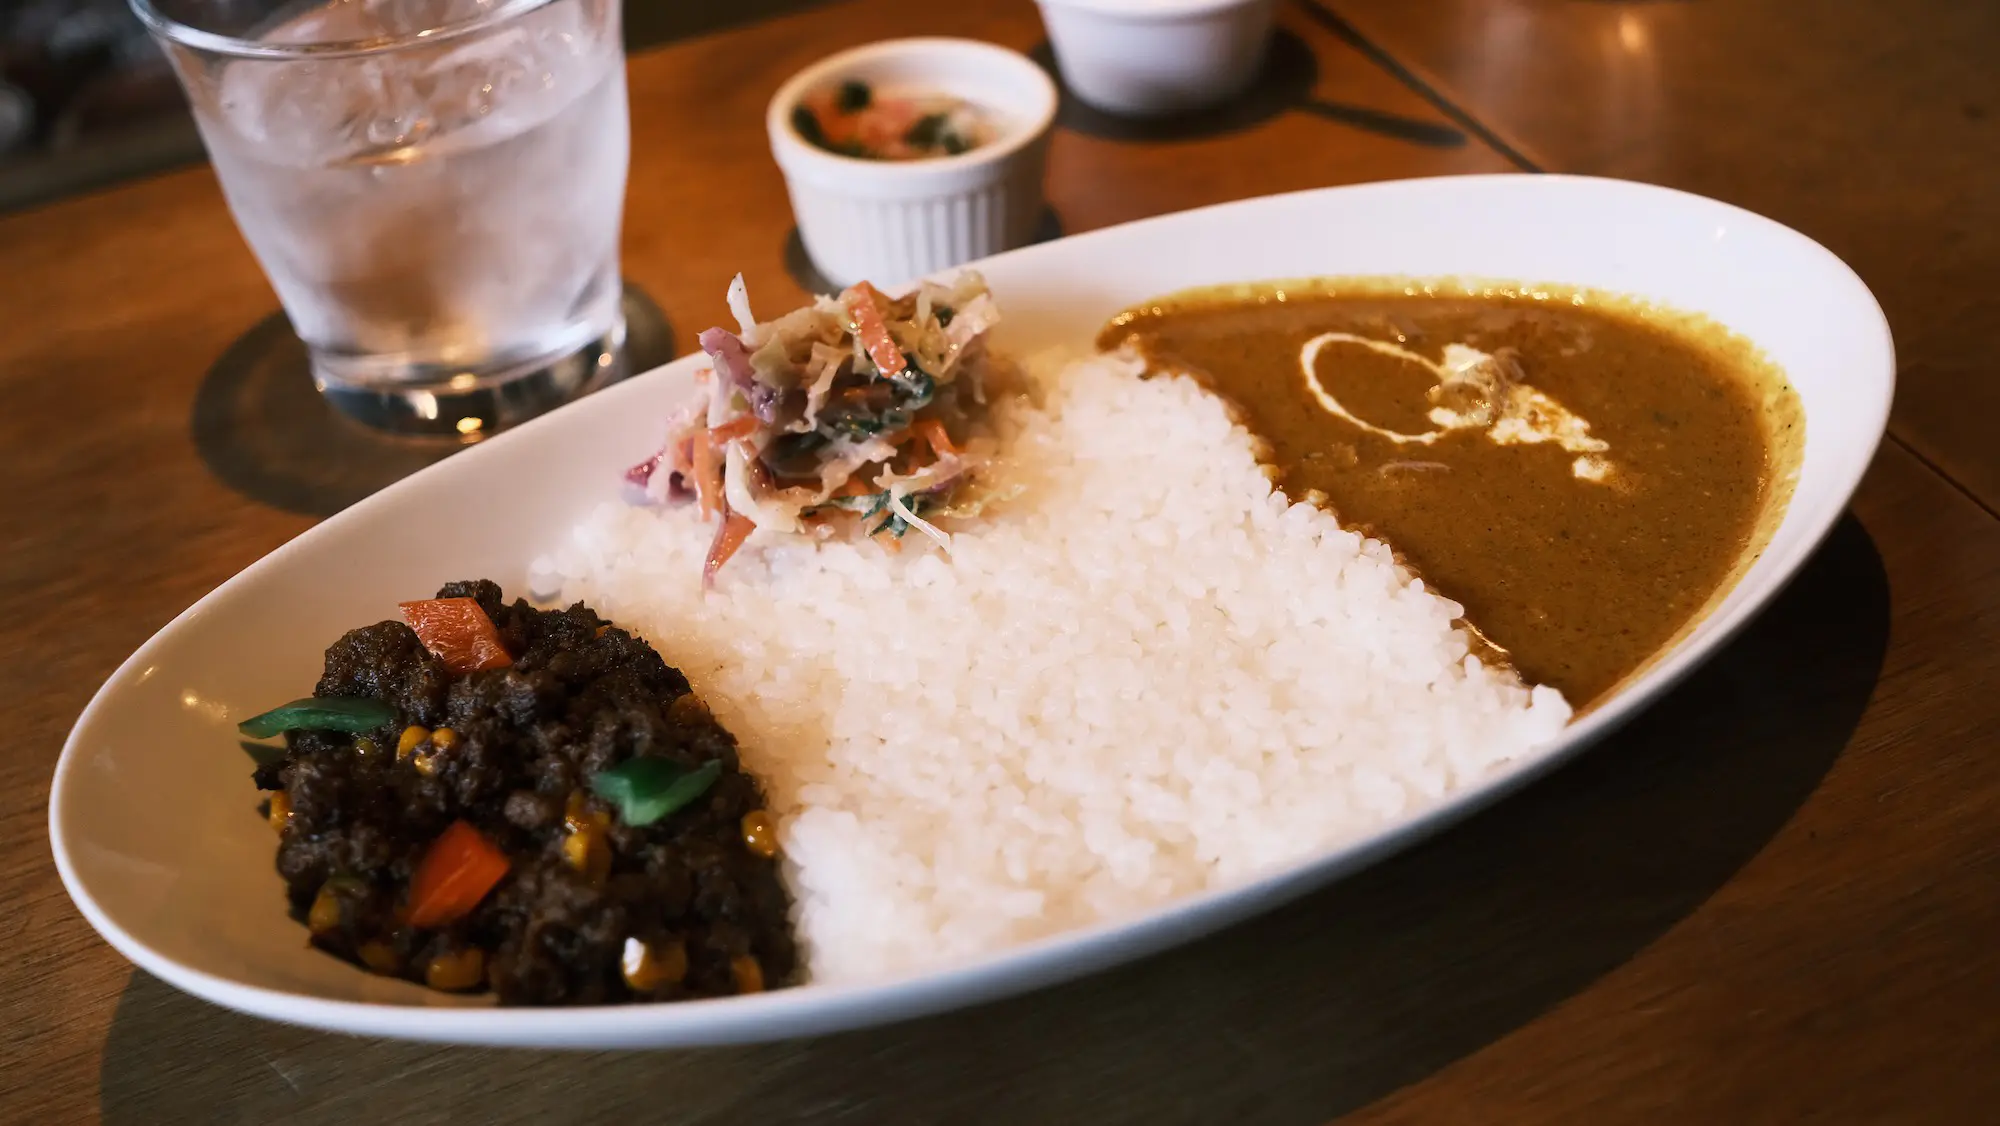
(434, 188)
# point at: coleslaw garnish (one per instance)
(861, 409)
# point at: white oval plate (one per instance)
(151, 812)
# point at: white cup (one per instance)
(891, 222)
(1147, 58)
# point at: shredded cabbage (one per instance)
(801, 426)
(739, 307)
(897, 506)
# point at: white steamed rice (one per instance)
(1147, 675)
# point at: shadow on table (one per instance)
(1292, 1018)
(263, 429)
(1286, 83)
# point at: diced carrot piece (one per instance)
(459, 633)
(835, 126)
(729, 535)
(457, 871)
(933, 432)
(864, 307)
(707, 477)
(885, 124)
(739, 427)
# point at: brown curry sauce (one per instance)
(1579, 583)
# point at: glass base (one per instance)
(471, 405)
(267, 431)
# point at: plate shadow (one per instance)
(1289, 1019)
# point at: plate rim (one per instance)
(1065, 955)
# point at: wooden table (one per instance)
(1775, 898)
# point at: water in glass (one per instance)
(439, 211)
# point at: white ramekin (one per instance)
(891, 222)
(1146, 58)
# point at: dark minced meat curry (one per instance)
(1579, 582)
(476, 829)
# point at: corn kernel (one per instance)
(748, 974)
(759, 834)
(687, 709)
(464, 969)
(648, 967)
(444, 738)
(588, 851)
(673, 960)
(378, 956)
(586, 847)
(413, 737)
(324, 918)
(426, 765)
(364, 746)
(576, 850)
(281, 810)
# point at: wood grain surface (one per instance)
(1773, 898)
